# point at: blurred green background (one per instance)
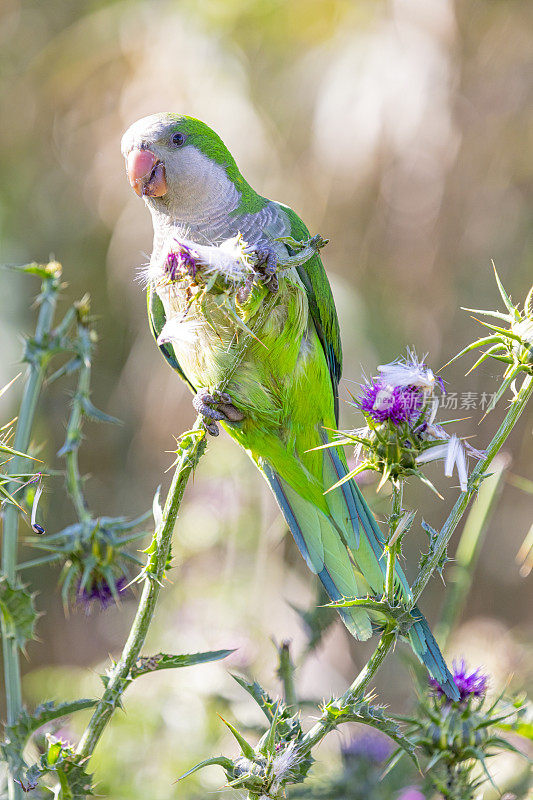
(397, 129)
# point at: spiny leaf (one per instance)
(360, 602)
(147, 664)
(490, 353)
(74, 782)
(424, 558)
(220, 761)
(18, 612)
(505, 297)
(51, 270)
(496, 314)
(503, 331)
(374, 715)
(246, 748)
(97, 415)
(473, 346)
(270, 742)
(261, 697)
(17, 734)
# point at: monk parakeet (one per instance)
(282, 397)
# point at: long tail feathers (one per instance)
(344, 546)
(427, 651)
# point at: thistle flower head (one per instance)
(96, 559)
(401, 433)
(276, 761)
(470, 684)
(383, 401)
(101, 592)
(459, 736)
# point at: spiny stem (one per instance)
(74, 480)
(32, 389)
(392, 550)
(360, 684)
(190, 452)
(286, 671)
(468, 551)
(355, 692)
(517, 406)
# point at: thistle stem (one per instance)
(32, 389)
(327, 722)
(517, 406)
(468, 550)
(286, 671)
(392, 550)
(74, 480)
(190, 452)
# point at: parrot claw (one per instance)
(265, 264)
(214, 408)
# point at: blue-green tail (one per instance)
(342, 543)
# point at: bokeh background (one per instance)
(397, 129)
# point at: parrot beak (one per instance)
(146, 173)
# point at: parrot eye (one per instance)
(177, 139)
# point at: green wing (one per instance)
(157, 319)
(321, 304)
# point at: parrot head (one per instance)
(176, 162)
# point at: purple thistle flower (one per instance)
(382, 402)
(99, 591)
(181, 259)
(470, 684)
(368, 747)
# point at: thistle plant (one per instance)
(402, 431)
(459, 737)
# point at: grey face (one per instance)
(175, 177)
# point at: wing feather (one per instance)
(157, 320)
(321, 304)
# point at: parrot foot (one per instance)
(214, 408)
(265, 264)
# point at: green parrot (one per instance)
(282, 398)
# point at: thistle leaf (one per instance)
(17, 734)
(147, 664)
(367, 714)
(18, 612)
(220, 761)
(270, 741)
(495, 314)
(246, 749)
(94, 413)
(505, 297)
(261, 697)
(473, 346)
